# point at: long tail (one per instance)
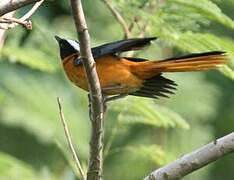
(193, 62)
(155, 85)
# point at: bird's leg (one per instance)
(111, 98)
(113, 87)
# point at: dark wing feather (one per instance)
(121, 46)
(155, 87)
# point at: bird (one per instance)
(120, 76)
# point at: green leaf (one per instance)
(198, 42)
(227, 72)
(203, 42)
(207, 9)
(153, 153)
(31, 57)
(13, 169)
(31, 104)
(146, 112)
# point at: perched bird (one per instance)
(128, 75)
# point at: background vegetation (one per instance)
(141, 134)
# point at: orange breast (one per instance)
(114, 74)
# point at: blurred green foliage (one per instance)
(141, 134)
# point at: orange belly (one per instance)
(114, 74)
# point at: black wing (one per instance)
(121, 46)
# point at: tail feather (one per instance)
(155, 85)
(193, 62)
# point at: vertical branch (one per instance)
(96, 99)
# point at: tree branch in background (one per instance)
(127, 29)
(119, 18)
(12, 22)
(69, 141)
(195, 160)
(96, 99)
(11, 5)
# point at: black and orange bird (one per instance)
(120, 76)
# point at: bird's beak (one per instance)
(57, 38)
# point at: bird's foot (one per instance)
(111, 98)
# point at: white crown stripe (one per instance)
(74, 44)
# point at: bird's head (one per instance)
(68, 47)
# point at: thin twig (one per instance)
(195, 160)
(30, 13)
(127, 29)
(70, 144)
(111, 138)
(67, 156)
(97, 110)
(14, 22)
(119, 18)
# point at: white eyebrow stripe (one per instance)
(74, 44)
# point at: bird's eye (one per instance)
(77, 61)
